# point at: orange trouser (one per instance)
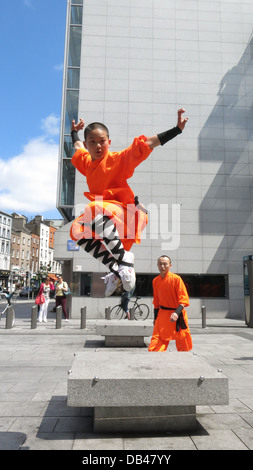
(165, 330)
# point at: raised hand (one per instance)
(181, 121)
(77, 127)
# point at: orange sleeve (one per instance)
(132, 156)
(183, 297)
(80, 160)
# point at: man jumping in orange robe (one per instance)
(114, 219)
(169, 298)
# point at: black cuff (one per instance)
(75, 137)
(168, 135)
(179, 309)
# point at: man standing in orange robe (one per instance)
(169, 298)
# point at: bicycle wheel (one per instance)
(141, 312)
(116, 312)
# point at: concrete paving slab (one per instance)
(11, 440)
(246, 436)
(158, 443)
(44, 441)
(248, 418)
(223, 421)
(87, 441)
(224, 341)
(219, 440)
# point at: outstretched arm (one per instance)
(161, 139)
(75, 128)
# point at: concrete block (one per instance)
(143, 419)
(124, 333)
(128, 386)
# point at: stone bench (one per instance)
(124, 333)
(136, 391)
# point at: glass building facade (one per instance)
(70, 98)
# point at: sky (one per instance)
(32, 40)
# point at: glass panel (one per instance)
(90, 284)
(75, 37)
(73, 78)
(206, 286)
(68, 183)
(76, 15)
(85, 285)
(144, 285)
(68, 147)
(71, 109)
(67, 213)
(77, 2)
(212, 286)
(192, 284)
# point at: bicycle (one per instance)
(11, 299)
(141, 311)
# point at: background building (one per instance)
(27, 250)
(131, 65)
(45, 231)
(54, 265)
(5, 247)
(20, 249)
(34, 258)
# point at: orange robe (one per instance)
(169, 292)
(110, 193)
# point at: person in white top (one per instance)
(60, 297)
(45, 290)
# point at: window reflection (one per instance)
(73, 78)
(76, 15)
(68, 147)
(198, 285)
(75, 37)
(71, 109)
(67, 213)
(68, 183)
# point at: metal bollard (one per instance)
(10, 315)
(34, 317)
(58, 317)
(108, 313)
(83, 318)
(203, 311)
(131, 313)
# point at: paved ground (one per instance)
(34, 415)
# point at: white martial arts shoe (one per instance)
(111, 281)
(127, 273)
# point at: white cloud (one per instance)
(28, 3)
(28, 181)
(58, 67)
(51, 125)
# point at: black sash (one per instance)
(180, 323)
(137, 203)
(167, 308)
